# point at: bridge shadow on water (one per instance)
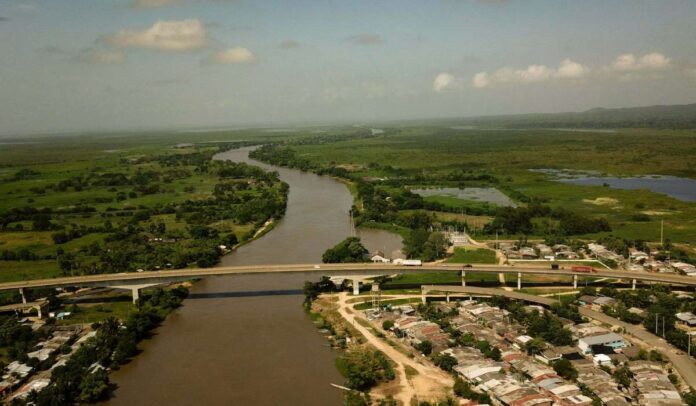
(254, 293)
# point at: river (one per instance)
(245, 340)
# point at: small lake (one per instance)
(480, 194)
(683, 189)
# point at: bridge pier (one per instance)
(463, 278)
(519, 280)
(575, 281)
(135, 289)
(356, 287)
(423, 299)
(24, 298)
(447, 297)
(633, 284)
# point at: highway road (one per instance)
(166, 276)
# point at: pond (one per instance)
(683, 189)
(479, 194)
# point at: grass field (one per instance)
(435, 152)
(472, 256)
(435, 278)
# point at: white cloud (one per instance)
(232, 56)
(567, 69)
(481, 80)
(442, 81)
(650, 62)
(571, 70)
(184, 35)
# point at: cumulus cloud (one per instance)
(153, 3)
(571, 70)
(650, 62)
(365, 39)
(289, 44)
(567, 69)
(231, 56)
(442, 81)
(183, 35)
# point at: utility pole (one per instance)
(663, 326)
(656, 316)
(689, 346)
(662, 231)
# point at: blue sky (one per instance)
(69, 65)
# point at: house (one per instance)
(601, 360)
(521, 341)
(544, 250)
(611, 340)
(686, 318)
(587, 299)
(378, 256)
(35, 385)
(637, 255)
(653, 384)
(567, 254)
(684, 268)
(637, 311)
(528, 253)
(604, 301)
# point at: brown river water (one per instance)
(245, 340)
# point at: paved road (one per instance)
(682, 362)
(154, 277)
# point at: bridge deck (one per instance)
(329, 269)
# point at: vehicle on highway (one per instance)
(583, 268)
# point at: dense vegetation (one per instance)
(167, 210)
(84, 377)
(348, 250)
(364, 368)
(384, 168)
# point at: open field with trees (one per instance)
(385, 167)
(75, 208)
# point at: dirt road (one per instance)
(430, 383)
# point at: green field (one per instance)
(437, 278)
(116, 203)
(472, 256)
(436, 156)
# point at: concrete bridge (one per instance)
(135, 281)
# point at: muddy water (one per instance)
(244, 340)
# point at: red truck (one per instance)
(583, 268)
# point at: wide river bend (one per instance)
(245, 340)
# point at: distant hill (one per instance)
(673, 116)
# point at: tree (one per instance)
(348, 250)
(535, 346)
(565, 369)
(425, 347)
(623, 376)
(435, 247)
(94, 387)
(387, 324)
(445, 361)
(413, 244)
(41, 222)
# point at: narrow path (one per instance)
(430, 381)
